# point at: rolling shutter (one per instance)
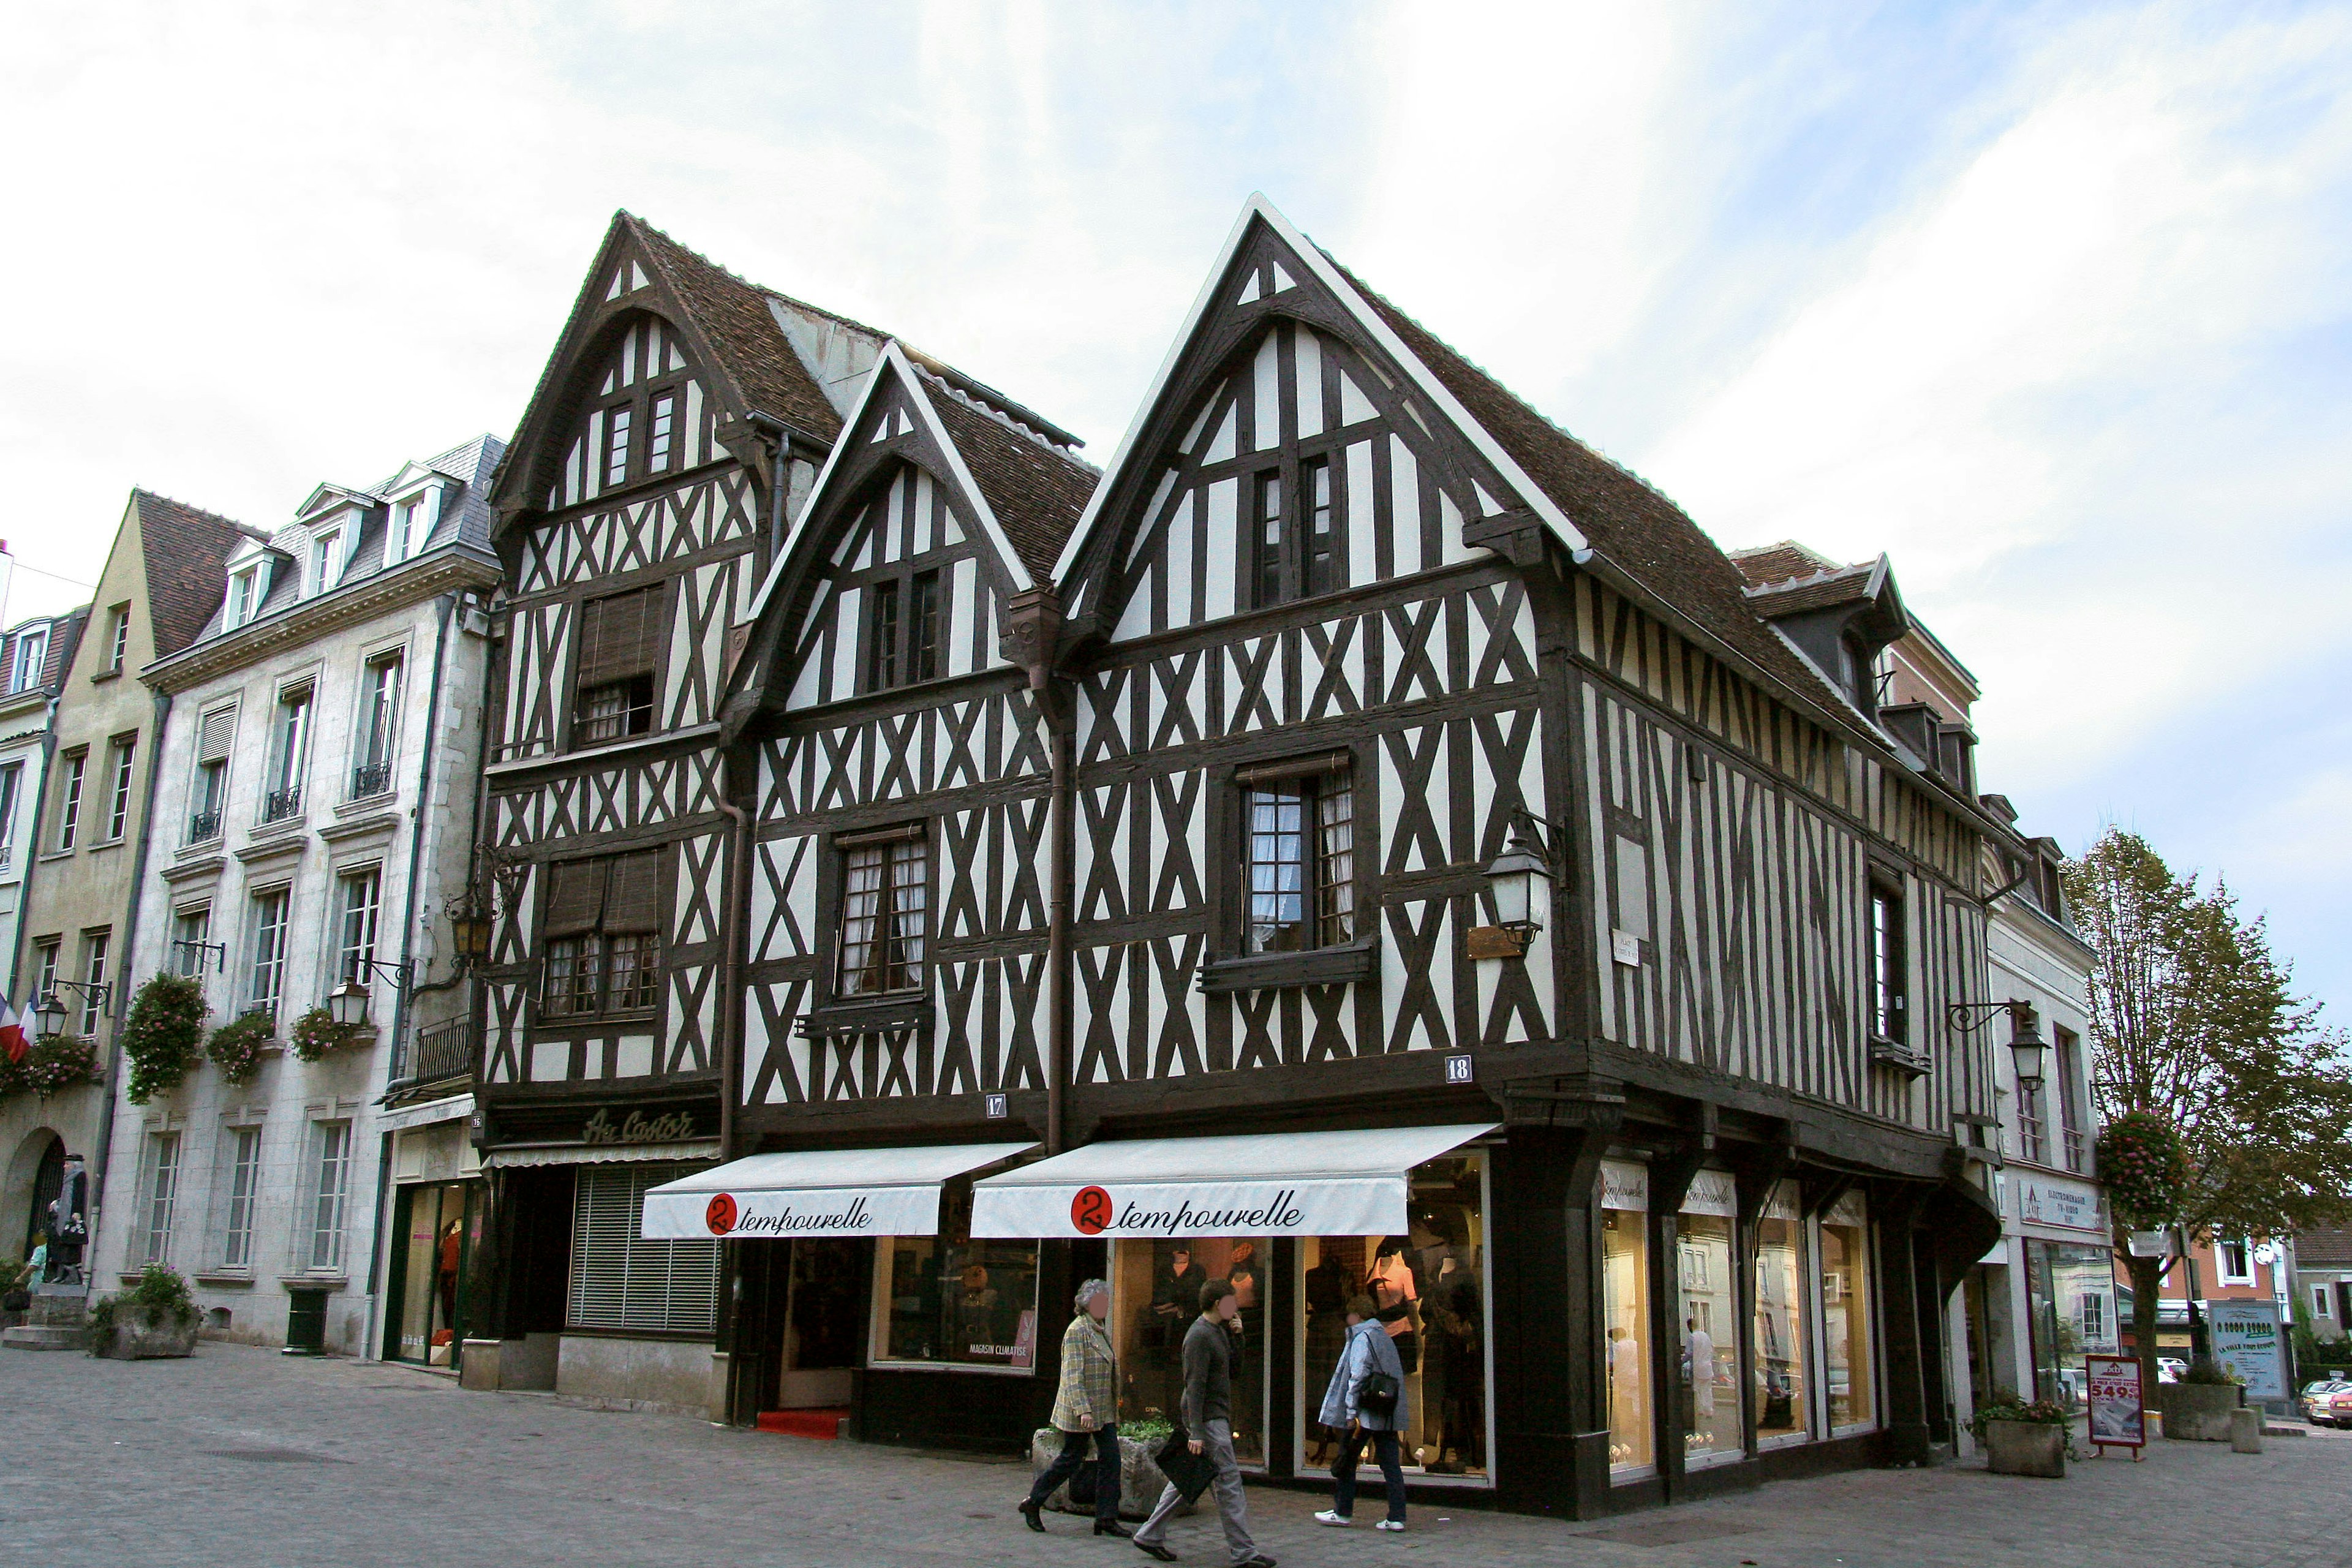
(622, 1282)
(620, 636)
(219, 731)
(575, 901)
(635, 904)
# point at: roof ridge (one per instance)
(142, 491)
(1828, 573)
(1035, 438)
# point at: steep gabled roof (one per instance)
(1035, 490)
(747, 346)
(186, 549)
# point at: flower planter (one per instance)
(149, 1336)
(1140, 1482)
(2025, 1448)
(2198, 1411)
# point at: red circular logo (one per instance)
(721, 1215)
(1090, 1211)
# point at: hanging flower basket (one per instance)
(50, 1066)
(316, 1034)
(239, 1047)
(163, 1039)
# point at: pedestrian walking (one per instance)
(1208, 1410)
(1085, 1413)
(1366, 1400)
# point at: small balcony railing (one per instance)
(2032, 1140)
(371, 779)
(2078, 1151)
(204, 826)
(444, 1050)
(7, 856)
(280, 804)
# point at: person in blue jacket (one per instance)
(1368, 1349)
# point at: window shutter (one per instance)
(635, 902)
(576, 899)
(213, 740)
(619, 636)
(620, 1280)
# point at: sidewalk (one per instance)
(241, 1457)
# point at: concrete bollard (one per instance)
(2245, 1430)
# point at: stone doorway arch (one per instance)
(35, 1172)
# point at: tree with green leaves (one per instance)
(2196, 1025)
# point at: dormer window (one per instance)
(401, 537)
(244, 596)
(32, 656)
(326, 559)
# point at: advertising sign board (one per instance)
(2119, 1420)
(2247, 1342)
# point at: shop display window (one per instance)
(948, 1301)
(434, 1235)
(1779, 1391)
(1625, 1317)
(2068, 1288)
(1430, 1288)
(1155, 1299)
(1846, 1323)
(1707, 1320)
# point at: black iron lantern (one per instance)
(348, 1004)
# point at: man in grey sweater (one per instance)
(1209, 1421)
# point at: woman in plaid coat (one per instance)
(1086, 1412)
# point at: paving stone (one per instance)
(241, 1457)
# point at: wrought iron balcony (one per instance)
(371, 778)
(444, 1050)
(203, 826)
(2078, 1153)
(2032, 1140)
(280, 804)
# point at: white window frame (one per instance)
(325, 1230)
(189, 926)
(2222, 1272)
(117, 638)
(290, 741)
(2323, 1303)
(267, 955)
(70, 790)
(96, 946)
(161, 1195)
(241, 1181)
(122, 753)
(245, 595)
(326, 558)
(32, 656)
(349, 954)
(375, 738)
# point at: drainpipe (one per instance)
(1036, 620)
(118, 1003)
(734, 933)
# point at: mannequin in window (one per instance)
(1456, 1316)
(1397, 1299)
(1175, 1302)
(1328, 1285)
(1249, 1338)
(975, 1310)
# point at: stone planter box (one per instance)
(143, 1336)
(2025, 1448)
(2198, 1411)
(1140, 1482)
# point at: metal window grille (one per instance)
(269, 951)
(163, 1194)
(243, 1182)
(621, 1281)
(330, 1194)
(884, 916)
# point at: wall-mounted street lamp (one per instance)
(348, 1003)
(2025, 1044)
(49, 1012)
(1520, 882)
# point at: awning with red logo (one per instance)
(828, 1192)
(1355, 1183)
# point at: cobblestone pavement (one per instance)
(242, 1456)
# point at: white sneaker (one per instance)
(1390, 1524)
(1328, 1516)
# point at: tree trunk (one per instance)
(2147, 1278)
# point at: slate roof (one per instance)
(185, 548)
(1634, 526)
(1037, 489)
(2330, 1247)
(65, 630)
(1765, 565)
(750, 346)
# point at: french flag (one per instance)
(12, 1031)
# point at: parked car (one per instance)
(2170, 1369)
(2312, 1402)
(2335, 1409)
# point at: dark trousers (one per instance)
(1343, 1470)
(1105, 1442)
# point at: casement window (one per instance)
(96, 946)
(244, 1186)
(2322, 1304)
(616, 446)
(244, 596)
(1298, 849)
(12, 778)
(122, 755)
(32, 658)
(209, 797)
(1294, 547)
(661, 432)
(329, 1197)
(904, 631)
(326, 561)
(401, 536)
(289, 754)
(357, 895)
(73, 766)
(1886, 964)
(884, 911)
(621, 1281)
(45, 964)
(378, 727)
(2094, 1315)
(619, 649)
(2234, 1260)
(191, 929)
(265, 986)
(603, 936)
(161, 1196)
(117, 638)
(2071, 1136)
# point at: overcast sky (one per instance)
(2051, 304)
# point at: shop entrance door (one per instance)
(824, 1316)
(427, 1263)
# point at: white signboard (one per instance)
(1624, 1185)
(2060, 1204)
(878, 1211)
(2118, 1418)
(2246, 1343)
(1713, 1193)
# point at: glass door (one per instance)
(433, 1248)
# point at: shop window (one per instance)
(1155, 1299)
(884, 911)
(622, 1283)
(433, 1223)
(950, 1301)
(1707, 1321)
(2066, 1288)
(1847, 1331)
(1625, 1317)
(1781, 1391)
(620, 653)
(1431, 1286)
(604, 946)
(1299, 845)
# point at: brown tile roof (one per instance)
(2330, 1247)
(750, 347)
(186, 550)
(1036, 491)
(1637, 528)
(1798, 595)
(1764, 565)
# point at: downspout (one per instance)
(118, 1002)
(1057, 930)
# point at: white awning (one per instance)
(829, 1192)
(1271, 1184)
